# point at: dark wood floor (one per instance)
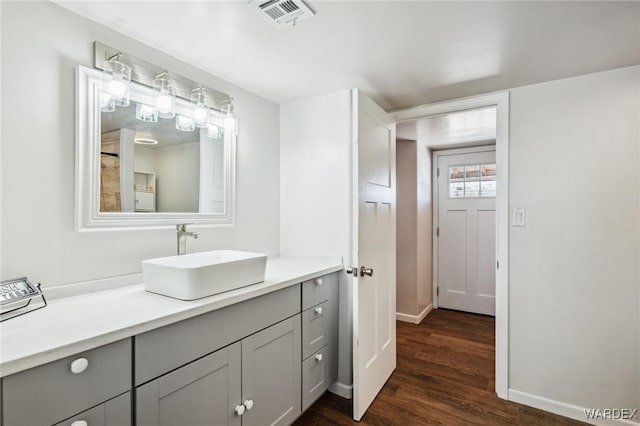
(445, 375)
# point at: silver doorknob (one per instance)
(240, 409)
(364, 271)
(352, 270)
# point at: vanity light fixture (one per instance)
(214, 131)
(146, 113)
(230, 116)
(200, 101)
(145, 141)
(165, 95)
(185, 124)
(106, 102)
(116, 81)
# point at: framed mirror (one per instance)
(135, 171)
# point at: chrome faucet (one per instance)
(182, 237)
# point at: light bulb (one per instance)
(117, 89)
(164, 104)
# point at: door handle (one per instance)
(366, 271)
(352, 270)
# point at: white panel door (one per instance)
(467, 232)
(374, 248)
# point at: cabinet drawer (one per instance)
(315, 329)
(115, 412)
(162, 350)
(317, 290)
(316, 376)
(49, 393)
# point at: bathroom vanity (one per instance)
(252, 356)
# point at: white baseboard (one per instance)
(340, 389)
(414, 319)
(561, 408)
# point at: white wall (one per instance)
(42, 44)
(574, 278)
(406, 228)
(424, 228)
(178, 177)
(316, 192)
(413, 229)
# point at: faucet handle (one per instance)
(182, 227)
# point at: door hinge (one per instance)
(438, 172)
(437, 291)
(497, 264)
(438, 231)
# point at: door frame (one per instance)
(501, 101)
(435, 194)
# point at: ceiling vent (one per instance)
(283, 13)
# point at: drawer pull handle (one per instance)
(78, 366)
(319, 357)
(318, 310)
(319, 281)
(240, 409)
(248, 404)
(80, 423)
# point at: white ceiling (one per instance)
(400, 53)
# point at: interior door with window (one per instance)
(374, 219)
(466, 233)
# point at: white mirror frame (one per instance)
(87, 209)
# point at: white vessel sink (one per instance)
(196, 275)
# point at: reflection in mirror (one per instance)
(152, 167)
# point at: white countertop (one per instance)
(76, 324)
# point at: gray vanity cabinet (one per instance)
(204, 392)
(52, 392)
(115, 412)
(253, 382)
(271, 375)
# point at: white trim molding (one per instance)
(340, 389)
(414, 319)
(561, 408)
(501, 101)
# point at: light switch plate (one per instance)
(518, 217)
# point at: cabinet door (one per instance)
(271, 374)
(203, 393)
(145, 201)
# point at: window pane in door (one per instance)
(472, 172)
(456, 174)
(456, 190)
(471, 189)
(488, 172)
(488, 188)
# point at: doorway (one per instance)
(500, 101)
(464, 216)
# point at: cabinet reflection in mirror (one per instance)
(135, 169)
(154, 167)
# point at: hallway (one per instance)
(445, 375)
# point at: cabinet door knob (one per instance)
(318, 310)
(80, 423)
(240, 409)
(319, 281)
(78, 366)
(319, 357)
(248, 404)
